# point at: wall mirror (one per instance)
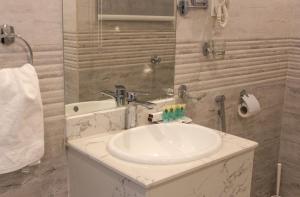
(117, 42)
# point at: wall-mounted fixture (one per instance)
(155, 59)
(249, 105)
(220, 100)
(219, 9)
(8, 36)
(215, 49)
(149, 18)
(183, 6)
(183, 94)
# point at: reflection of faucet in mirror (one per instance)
(124, 97)
(119, 95)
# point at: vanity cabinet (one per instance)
(95, 173)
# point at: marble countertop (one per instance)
(149, 176)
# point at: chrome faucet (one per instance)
(131, 114)
(129, 99)
(119, 95)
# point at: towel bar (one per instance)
(8, 35)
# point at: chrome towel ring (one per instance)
(8, 35)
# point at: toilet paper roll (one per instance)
(249, 107)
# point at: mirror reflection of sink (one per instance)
(167, 143)
(88, 107)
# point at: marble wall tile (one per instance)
(95, 123)
(81, 125)
(290, 135)
(248, 19)
(109, 120)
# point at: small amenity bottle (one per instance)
(177, 112)
(165, 115)
(182, 109)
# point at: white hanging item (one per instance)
(21, 119)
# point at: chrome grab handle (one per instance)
(221, 112)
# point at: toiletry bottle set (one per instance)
(173, 112)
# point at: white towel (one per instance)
(21, 118)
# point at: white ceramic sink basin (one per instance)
(168, 143)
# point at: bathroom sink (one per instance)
(74, 109)
(167, 143)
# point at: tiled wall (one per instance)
(40, 22)
(256, 60)
(290, 136)
(260, 68)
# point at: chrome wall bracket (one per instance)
(6, 30)
(220, 100)
(183, 6)
(8, 36)
(214, 48)
(155, 59)
(182, 91)
(183, 94)
(242, 94)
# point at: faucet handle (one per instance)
(120, 90)
(131, 96)
(120, 87)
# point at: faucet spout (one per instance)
(108, 93)
(145, 104)
(132, 98)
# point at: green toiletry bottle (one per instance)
(172, 113)
(182, 109)
(165, 115)
(177, 112)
